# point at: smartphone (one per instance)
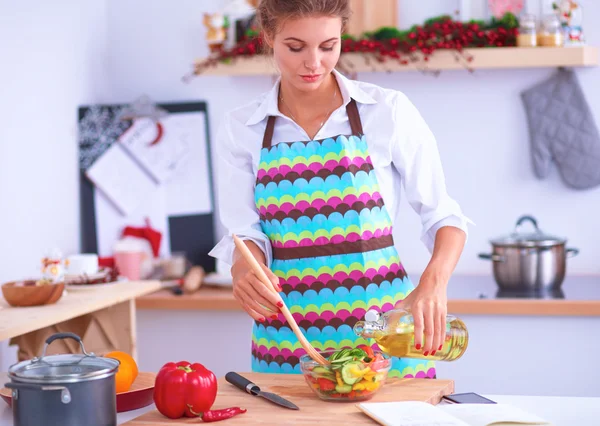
(467, 398)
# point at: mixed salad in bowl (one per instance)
(352, 374)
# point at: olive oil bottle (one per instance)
(394, 332)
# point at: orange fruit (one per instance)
(127, 372)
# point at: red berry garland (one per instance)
(418, 43)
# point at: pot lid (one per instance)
(63, 368)
(535, 238)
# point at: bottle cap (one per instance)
(372, 316)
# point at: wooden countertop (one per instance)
(471, 295)
(312, 410)
(73, 303)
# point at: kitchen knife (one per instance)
(246, 385)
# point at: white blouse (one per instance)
(401, 146)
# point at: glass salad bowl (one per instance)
(352, 375)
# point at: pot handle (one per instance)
(57, 336)
(572, 252)
(526, 218)
(65, 395)
(494, 257)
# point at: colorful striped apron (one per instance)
(333, 250)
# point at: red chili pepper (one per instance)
(217, 415)
(182, 387)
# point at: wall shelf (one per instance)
(483, 58)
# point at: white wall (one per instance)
(53, 57)
(58, 57)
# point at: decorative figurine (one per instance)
(570, 15)
(217, 25)
(53, 267)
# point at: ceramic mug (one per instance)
(129, 263)
(82, 264)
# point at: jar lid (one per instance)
(536, 238)
(63, 368)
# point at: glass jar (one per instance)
(552, 34)
(527, 36)
(394, 333)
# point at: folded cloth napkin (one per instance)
(562, 128)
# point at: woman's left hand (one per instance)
(428, 306)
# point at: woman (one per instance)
(309, 176)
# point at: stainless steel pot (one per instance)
(65, 389)
(529, 261)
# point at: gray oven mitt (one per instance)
(562, 128)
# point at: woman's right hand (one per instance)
(256, 299)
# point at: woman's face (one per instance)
(307, 49)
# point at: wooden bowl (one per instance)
(140, 395)
(26, 293)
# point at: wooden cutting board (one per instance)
(312, 410)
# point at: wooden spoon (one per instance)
(262, 276)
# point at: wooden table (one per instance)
(312, 409)
(100, 307)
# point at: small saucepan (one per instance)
(64, 389)
(525, 262)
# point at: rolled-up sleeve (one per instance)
(235, 182)
(416, 157)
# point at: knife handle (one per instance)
(242, 383)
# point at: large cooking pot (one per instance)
(65, 389)
(529, 262)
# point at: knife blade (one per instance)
(246, 385)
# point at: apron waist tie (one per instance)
(331, 249)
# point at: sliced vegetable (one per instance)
(352, 374)
(343, 388)
(368, 350)
(353, 371)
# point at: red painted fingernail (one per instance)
(418, 346)
(432, 353)
(280, 304)
(426, 353)
(440, 348)
(274, 317)
(261, 319)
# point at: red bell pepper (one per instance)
(182, 389)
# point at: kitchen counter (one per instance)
(73, 303)
(90, 312)
(508, 336)
(561, 411)
(467, 294)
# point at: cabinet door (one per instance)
(369, 15)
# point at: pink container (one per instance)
(129, 263)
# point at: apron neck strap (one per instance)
(268, 137)
(353, 117)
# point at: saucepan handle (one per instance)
(57, 336)
(493, 257)
(572, 252)
(65, 395)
